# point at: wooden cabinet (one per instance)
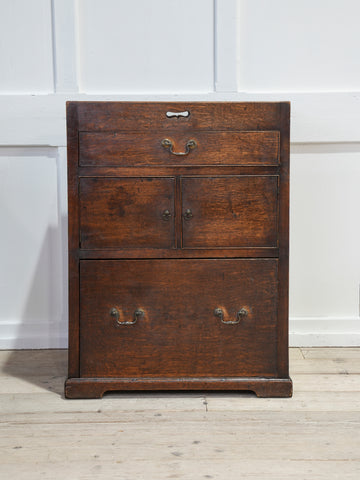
(178, 247)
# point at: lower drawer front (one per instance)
(178, 318)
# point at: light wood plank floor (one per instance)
(154, 436)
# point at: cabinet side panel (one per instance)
(73, 225)
(283, 312)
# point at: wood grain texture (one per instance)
(127, 212)
(176, 170)
(73, 237)
(179, 335)
(230, 211)
(213, 148)
(97, 386)
(143, 116)
(284, 187)
(244, 252)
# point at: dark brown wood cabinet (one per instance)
(178, 247)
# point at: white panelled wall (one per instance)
(246, 50)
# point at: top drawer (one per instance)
(169, 148)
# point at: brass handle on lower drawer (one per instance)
(190, 145)
(114, 312)
(218, 312)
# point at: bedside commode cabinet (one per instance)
(178, 247)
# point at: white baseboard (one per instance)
(303, 332)
(17, 335)
(324, 332)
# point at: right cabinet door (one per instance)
(229, 211)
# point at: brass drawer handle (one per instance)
(166, 215)
(190, 145)
(114, 312)
(218, 312)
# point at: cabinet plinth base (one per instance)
(96, 387)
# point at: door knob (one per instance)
(188, 214)
(166, 215)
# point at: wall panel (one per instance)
(32, 274)
(26, 47)
(301, 46)
(142, 46)
(325, 231)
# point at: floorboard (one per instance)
(153, 436)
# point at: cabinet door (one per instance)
(229, 211)
(127, 212)
(178, 318)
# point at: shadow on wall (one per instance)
(41, 367)
(36, 277)
(42, 324)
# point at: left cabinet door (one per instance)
(127, 212)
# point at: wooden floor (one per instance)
(154, 436)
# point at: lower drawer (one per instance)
(178, 318)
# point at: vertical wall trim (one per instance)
(214, 42)
(65, 45)
(225, 48)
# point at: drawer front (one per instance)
(170, 148)
(150, 116)
(232, 211)
(146, 318)
(126, 212)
